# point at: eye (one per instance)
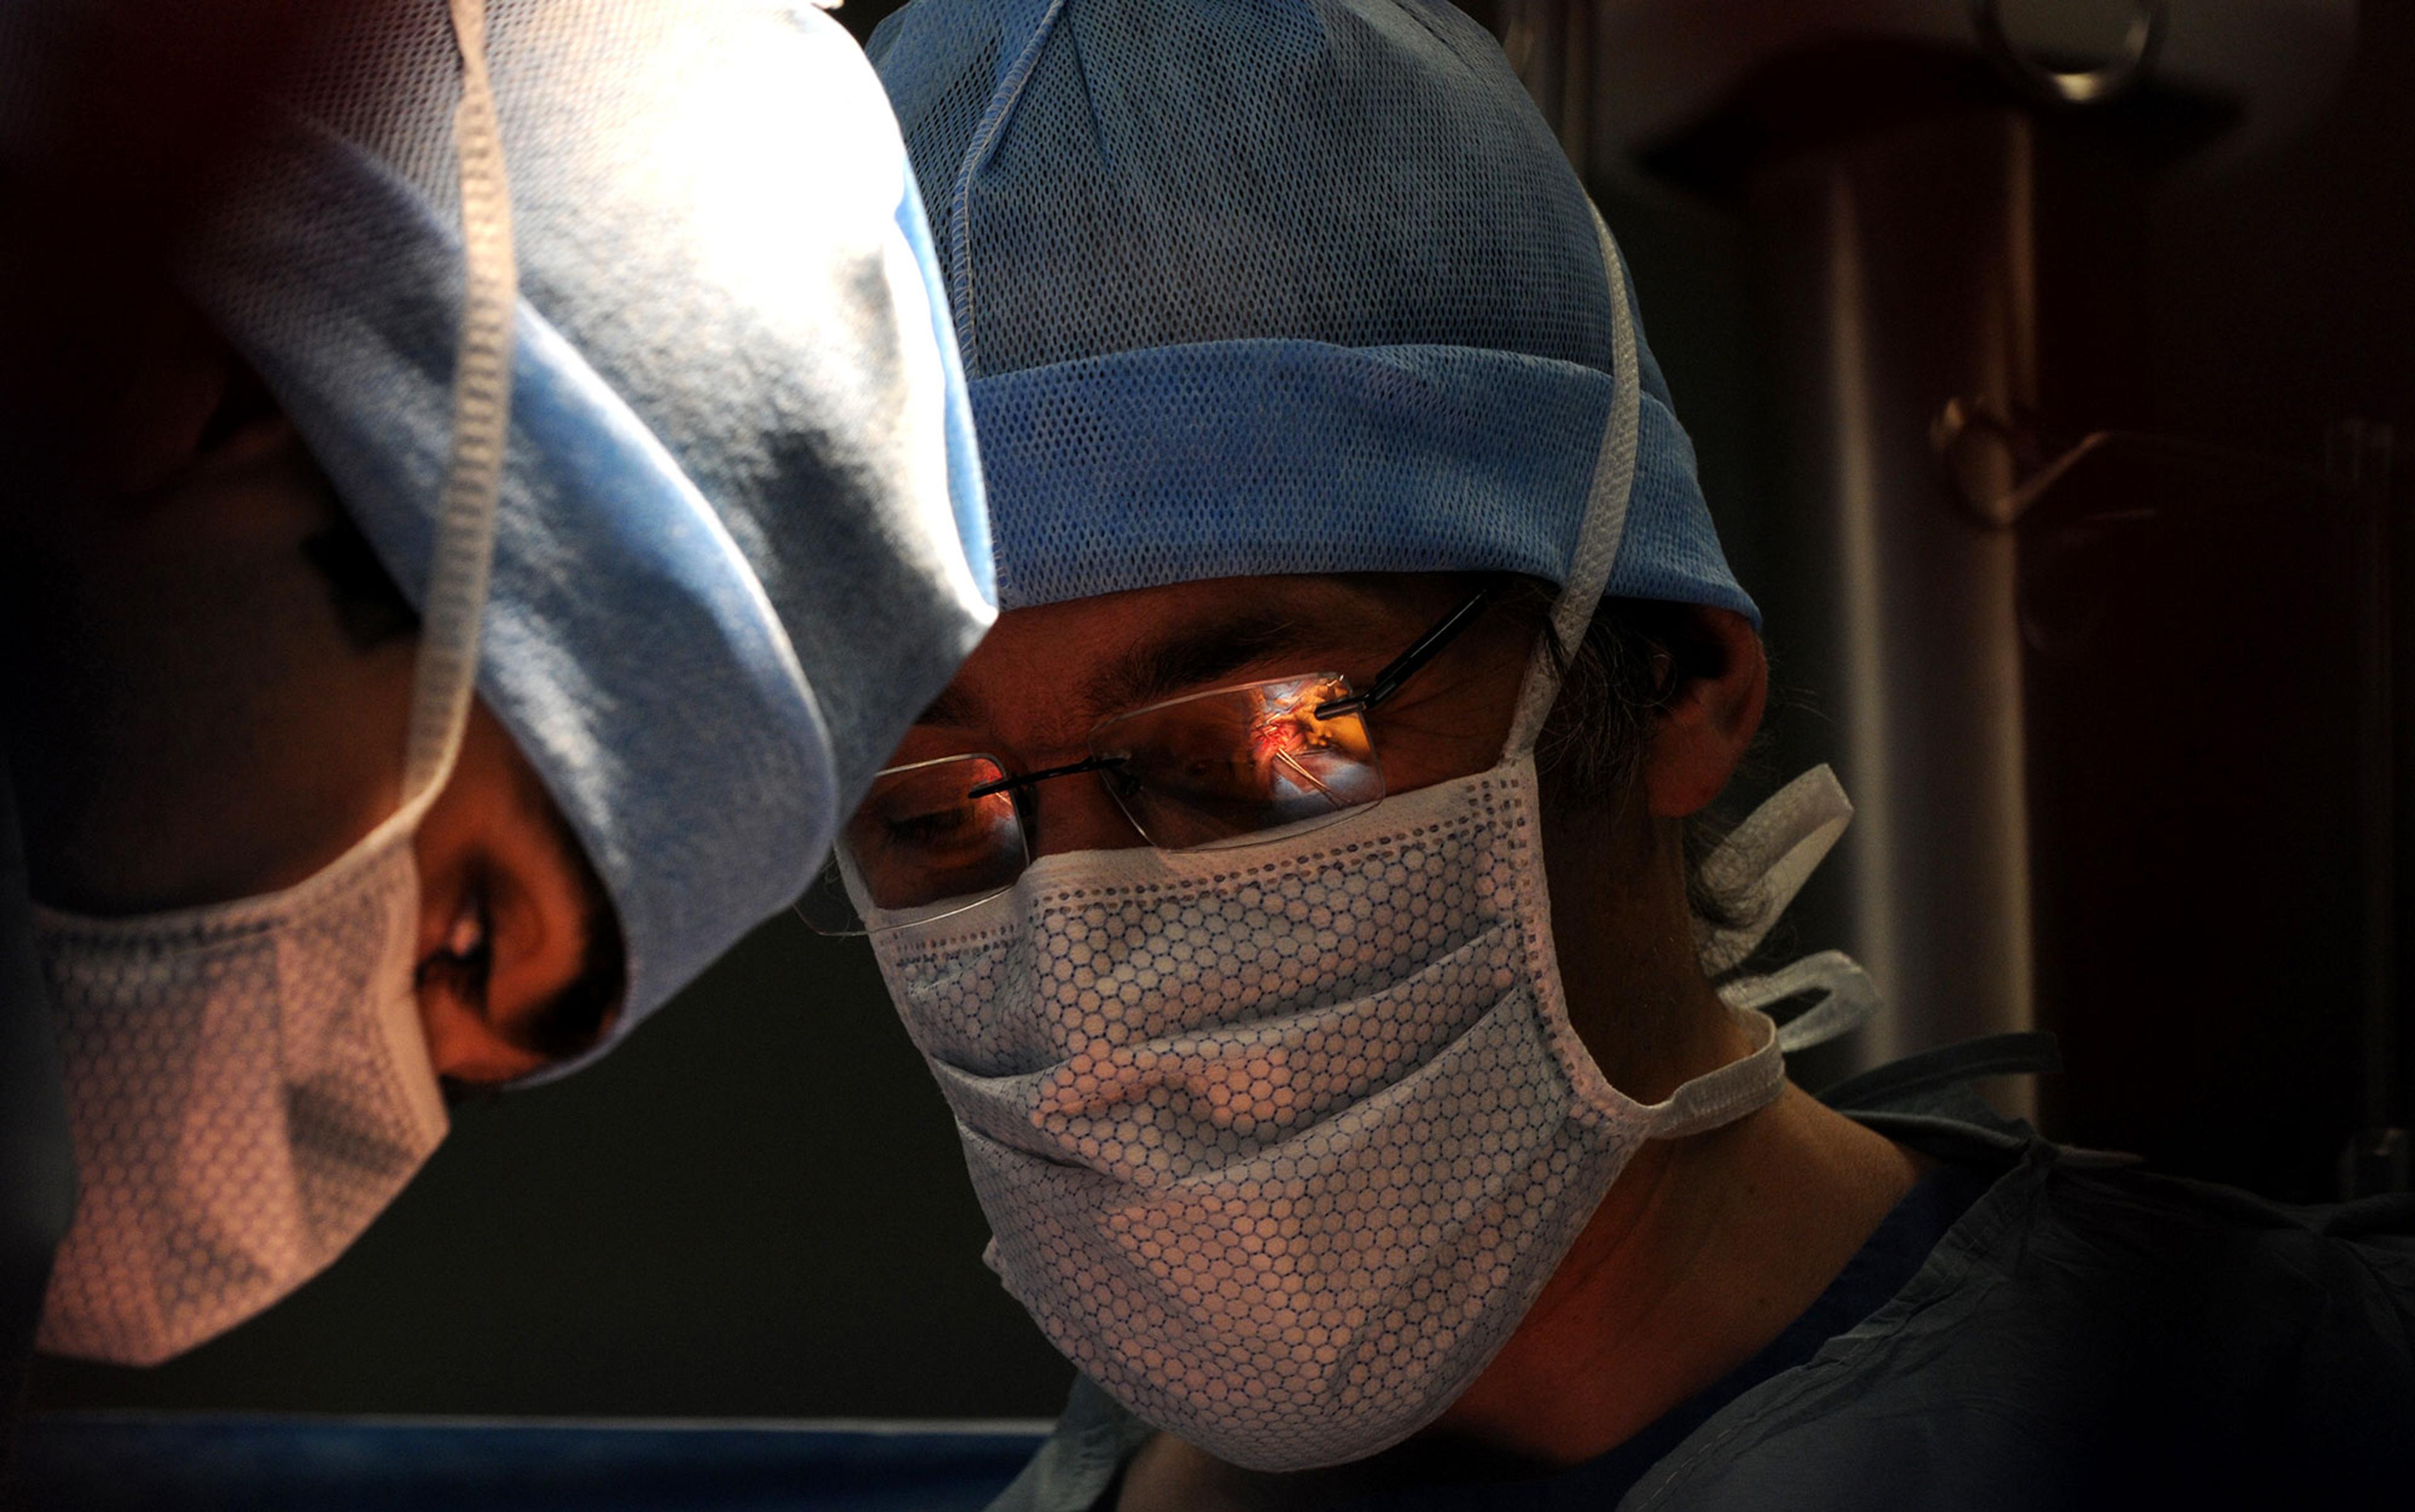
(466, 961)
(943, 837)
(925, 828)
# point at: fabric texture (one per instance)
(2088, 1334)
(1248, 287)
(1280, 1142)
(248, 1087)
(1894, 1253)
(742, 539)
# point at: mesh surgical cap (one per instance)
(741, 540)
(1275, 286)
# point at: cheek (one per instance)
(463, 1048)
(493, 849)
(1456, 735)
(215, 738)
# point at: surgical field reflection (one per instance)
(1223, 766)
(1217, 768)
(1468, 855)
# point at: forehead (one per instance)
(1045, 675)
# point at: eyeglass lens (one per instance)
(919, 838)
(1211, 769)
(1218, 767)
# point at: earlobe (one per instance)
(1699, 734)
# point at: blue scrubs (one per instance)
(2032, 1327)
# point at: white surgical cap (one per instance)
(742, 540)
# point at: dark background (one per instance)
(755, 1207)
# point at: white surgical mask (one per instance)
(248, 1087)
(1279, 1143)
(249, 1084)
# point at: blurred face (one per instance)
(211, 689)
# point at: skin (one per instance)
(188, 721)
(1705, 1248)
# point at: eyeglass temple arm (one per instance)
(1009, 785)
(1401, 667)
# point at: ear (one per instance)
(1699, 734)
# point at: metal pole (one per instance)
(2376, 1159)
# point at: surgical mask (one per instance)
(249, 1084)
(1280, 1144)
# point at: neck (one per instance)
(1705, 1248)
(1701, 1254)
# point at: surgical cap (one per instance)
(1275, 286)
(741, 540)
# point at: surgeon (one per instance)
(536, 502)
(1408, 1136)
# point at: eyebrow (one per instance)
(954, 707)
(1185, 659)
(1195, 656)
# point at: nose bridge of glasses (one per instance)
(1070, 809)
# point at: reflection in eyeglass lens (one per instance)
(918, 838)
(1227, 765)
(1197, 771)
(1290, 745)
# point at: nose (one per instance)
(1074, 813)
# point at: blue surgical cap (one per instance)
(1275, 286)
(742, 540)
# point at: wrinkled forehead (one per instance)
(1046, 674)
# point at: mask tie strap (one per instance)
(1746, 1086)
(1721, 1097)
(1768, 858)
(462, 544)
(462, 547)
(1604, 524)
(1848, 1000)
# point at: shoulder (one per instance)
(2296, 1320)
(2127, 1217)
(2093, 1334)
(1079, 1463)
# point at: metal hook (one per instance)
(1975, 443)
(2068, 87)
